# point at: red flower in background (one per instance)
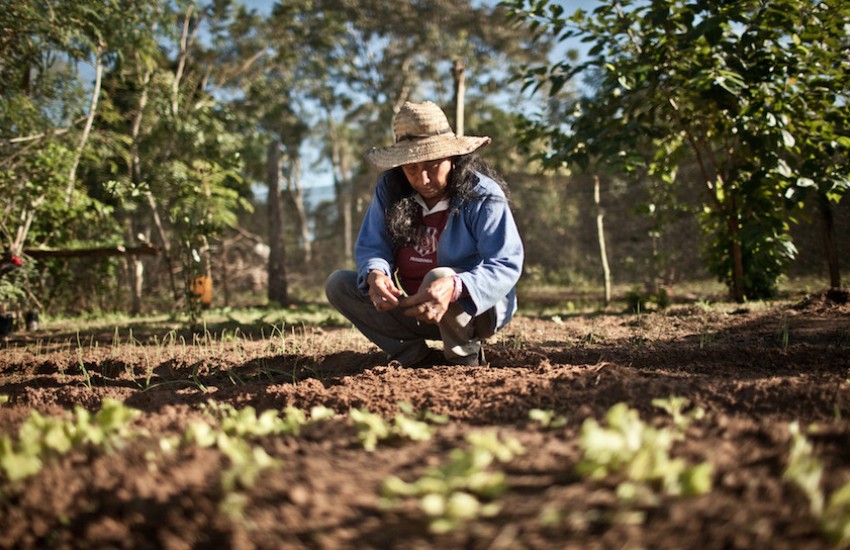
(17, 261)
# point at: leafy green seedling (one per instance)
(40, 437)
(372, 428)
(427, 416)
(201, 434)
(463, 488)
(246, 462)
(639, 453)
(835, 521)
(246, 421)
(804, 469)
(320, 413)
(547, 419)
(675, 407)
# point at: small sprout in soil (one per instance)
(319, 413)
(805, 472)
(462, 489)
(246, 462)
(201, 434)
(835, 521)
(591, 338)
(246, 422)
(639, 454)
(427, 416)
(675, 407)
(372, 428)
(783, 332)
(41, 437)
(547, 419)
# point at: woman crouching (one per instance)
(438, 255)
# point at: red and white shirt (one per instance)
(417, 259)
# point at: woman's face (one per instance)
(429, 178)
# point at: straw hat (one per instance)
(422, 132)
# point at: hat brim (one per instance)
(422, 150)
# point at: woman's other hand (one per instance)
(383, 292)
(430, 304)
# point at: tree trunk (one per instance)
(277, 291)
(342, 187)
(135, 273)
(828, 235)
(95, 96)
(136, 267)
(460, 92)
(347, 208)
(165, 243)
(186, 39)
(295, 192)
(600, 233)
(137, 279)
(737, 288)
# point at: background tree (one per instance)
(707, 82)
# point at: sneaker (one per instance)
(476, 360)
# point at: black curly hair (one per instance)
(403, 212)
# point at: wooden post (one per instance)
(460, 92)
(600, 233)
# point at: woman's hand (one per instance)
(383, 292)
(430, 304)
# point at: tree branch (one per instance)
(95, 96)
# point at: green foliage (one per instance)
(42, 437)
(246, 462)
(766, 248)
(638, 300)
(675, 406)
(245, 422)
(752, 96)
(236, 427)
(547, 419)
(805, 472)
(372, 428)
(639, 454)
(463, 488)
(12, 289)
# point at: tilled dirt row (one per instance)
(753, 373)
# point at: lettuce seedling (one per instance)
(372, 428)
(640, 453)
(452, 494)
(547, 419)
(40, 437)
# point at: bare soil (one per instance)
(754, 370)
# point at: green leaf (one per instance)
(19, 466)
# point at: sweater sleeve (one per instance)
(501, 251)
(374, 249)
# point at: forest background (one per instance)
(148, 148)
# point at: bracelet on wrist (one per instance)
(458, 288)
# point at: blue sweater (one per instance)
(480, 241)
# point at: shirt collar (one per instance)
(439, 207)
